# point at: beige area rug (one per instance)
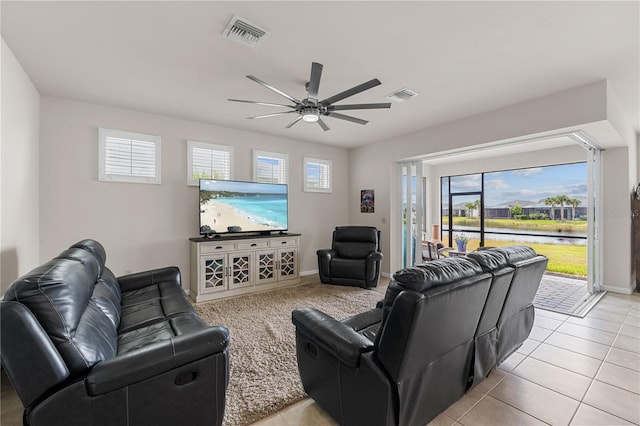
(264, 372)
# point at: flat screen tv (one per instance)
(235, 206)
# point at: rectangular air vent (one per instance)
(402, 95)
(242, 31)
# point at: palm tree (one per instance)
(562, 199)
(551, 201)
(470, 207)
(573, 202)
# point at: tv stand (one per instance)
(225, 265)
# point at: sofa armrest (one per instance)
(332, 335)
(374, 256)
(23, 345)
(327, 254)
(324, 263)
(143, 279)
(155, 359)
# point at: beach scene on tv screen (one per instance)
(249, 206)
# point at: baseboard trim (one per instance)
(315, 272)
(618, 289)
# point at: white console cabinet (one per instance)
(232, 265)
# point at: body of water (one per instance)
(267, 210)
(536, 237)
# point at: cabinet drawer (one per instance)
(248, 245)
(283, 242)
(216, 247)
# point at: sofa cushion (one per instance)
(489, 260)
(153, 303)
(96, 249)
(60, 293)
(159, 331)
(515, 254)
(438, 272)
(366, 323)
(348, 268)
(107, 296)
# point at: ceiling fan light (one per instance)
(310, 115)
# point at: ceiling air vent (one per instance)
(242, 31)
(402, 95)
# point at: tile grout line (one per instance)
(594, 379)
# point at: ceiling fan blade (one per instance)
(270, 115)
(270, 87)
(358, 106)
(350, 92)
(295, 120)
(314, 81)
(261, 103)
(347, 118)
(323, 124)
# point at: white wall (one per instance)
(19, 171)
(616, 224)
(584, 108)
(147, 226)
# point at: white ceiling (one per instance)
(463, 58)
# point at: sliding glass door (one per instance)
(413, 199)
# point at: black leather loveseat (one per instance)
(441, 328)
(82, 347)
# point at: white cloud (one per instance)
(495, 184)
(527, 172)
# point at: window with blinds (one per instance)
(128, 157)
(317, 175)
(208, 161)
(270, 167)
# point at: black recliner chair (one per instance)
(354, 258)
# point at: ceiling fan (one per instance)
(310, 109)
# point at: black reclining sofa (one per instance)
(82, 347)
(441, 329)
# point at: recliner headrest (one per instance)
(438, 272)
(96, 249)
(89, 261)
(356, 234)
(489, 260)
(515, 254)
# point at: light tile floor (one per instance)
(571, 371)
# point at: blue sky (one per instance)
(532, 184)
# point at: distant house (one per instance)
(529, 208)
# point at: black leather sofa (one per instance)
(82, 347)
(441, 329)
(354, 258)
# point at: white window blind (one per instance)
(208, 161)
(270, 167)
(317, 175)
(128, 157)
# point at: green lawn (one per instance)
(570, 260)
(565, 259)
